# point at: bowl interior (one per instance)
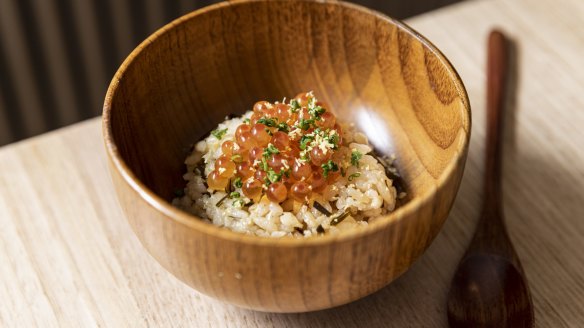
(179, 84)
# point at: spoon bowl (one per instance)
(489, 279)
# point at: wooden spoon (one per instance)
(489, 288)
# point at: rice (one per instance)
(361, 192)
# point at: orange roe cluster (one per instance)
(284, 150)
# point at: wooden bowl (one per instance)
(374, 71)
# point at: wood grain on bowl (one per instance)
(374, 71)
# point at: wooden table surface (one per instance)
(68, 257)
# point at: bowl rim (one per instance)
(193, 222)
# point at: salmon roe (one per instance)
(285, 150)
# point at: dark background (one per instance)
(57, 56)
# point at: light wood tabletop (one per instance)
(69, 258)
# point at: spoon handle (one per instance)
(497, 68)
(491, 233)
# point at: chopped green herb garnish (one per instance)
(305, 124)
(311, 102)
(294, 105)
(283, 127)
(273, 176)
(355, 157)
(234, 194)
(236, 158)
(354, 175)
(219, 133)
(179, 192)
(270, 150)
(316, 111)
(264, 163)
(238, 202)
(305, 140)
(237, 182)
(333, 139)
(329, 166)
(267, 121)
(305, 156)
(246, 121)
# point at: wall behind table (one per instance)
(57, 56)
